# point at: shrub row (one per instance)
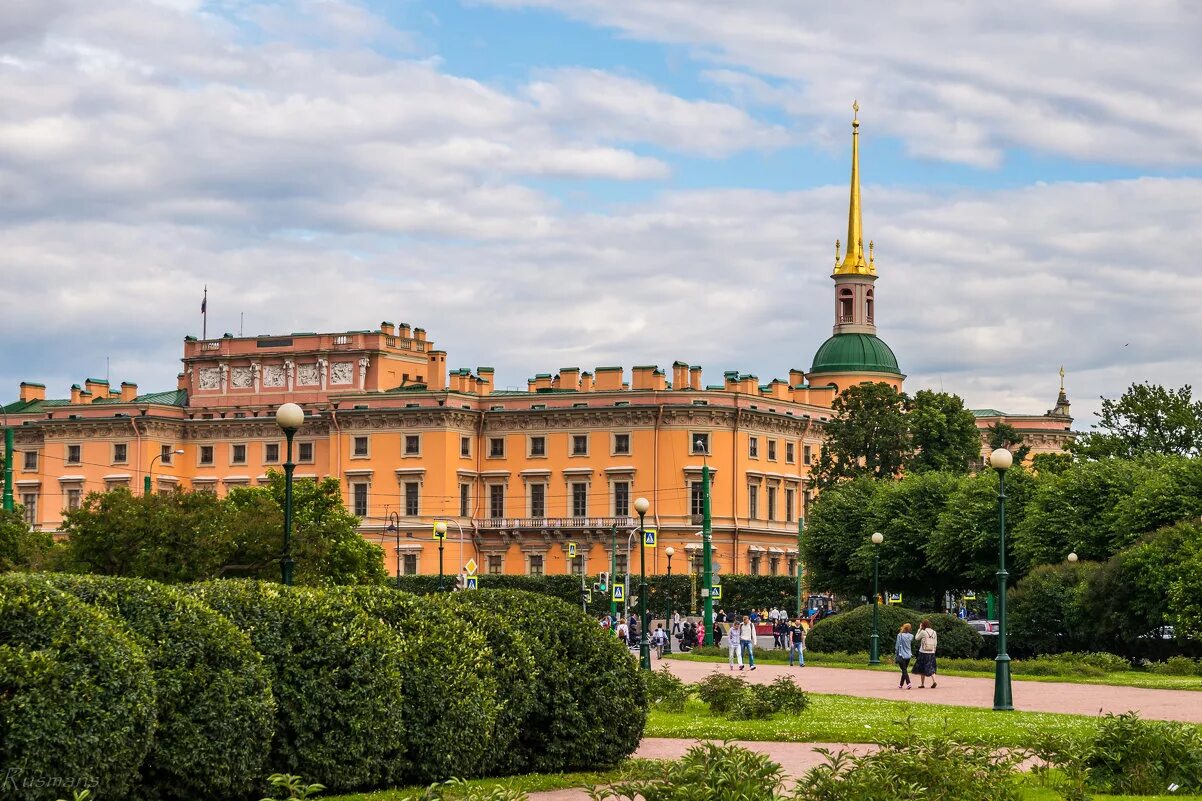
(135, 689)
(850, 631)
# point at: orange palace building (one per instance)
(516, 475)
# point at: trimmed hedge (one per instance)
(591, 704)
(516, 671)
(77, 699)
(450, 688)
(215, 706)
(850, 631)
(337, 675)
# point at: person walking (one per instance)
(747, 640)
(902, 653)
(927, 641)
(734, 652)
(797, 636)
(676, 627)
(621, 631)
(658, 639)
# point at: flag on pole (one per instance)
(204, 303)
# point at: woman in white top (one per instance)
(733, 651)
(747, 640)
(927, 641)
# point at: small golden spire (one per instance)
(871, 257)
(837, 243)
(853, 262)
(1062, 378)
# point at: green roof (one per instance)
(855, 353)
(987, 413)
(172, 397)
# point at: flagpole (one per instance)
(204, 313)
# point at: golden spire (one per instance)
(854, 262)
(1062, 378)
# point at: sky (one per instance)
(551, 183)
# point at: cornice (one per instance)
(398, 419)
(567, 419)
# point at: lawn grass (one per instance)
(1127, 678)
(530, 783)
(847, 719)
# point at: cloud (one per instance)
(961, 82)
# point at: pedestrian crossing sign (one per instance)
(471, 583)
(895, 597)
(619, 593)
(716, 592)
(571, 550)
(649, 537)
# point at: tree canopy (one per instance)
(943, 433)
(1147, 420)
(867, 436)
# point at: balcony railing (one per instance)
(512, 523)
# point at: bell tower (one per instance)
(854, 276)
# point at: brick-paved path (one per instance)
(1030, 696)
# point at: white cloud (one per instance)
(961, 82)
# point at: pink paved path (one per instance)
(1030, 696)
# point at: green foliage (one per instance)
(77, 698)
(720, 691)
(706, 772)
(665, 691)
(194, 536)
(753, 703)
(450, 686)
(291, 788)
(1177, 666)
(22, 548)
(1052, 464)
(964, 543)
(1004, 435)
(1185, 596)
(1143, 757)
(1047, 615)
(1147, 420)
(867, 435)
(785, 696)
(1169, 493)
(914, 766)
(943, 433)
(215, 705)
(591, 706)
(834, 532)
(850, 631)
(337, 675)
(460, 790)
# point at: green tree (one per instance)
(867, 435)
(22, 548)
(965, 541)
(1148, 419)
(1004, 435)
(943, 433)
(1047, 615)
(1170, 492)
(1075, 512)
(1185, 597)
(834, 532)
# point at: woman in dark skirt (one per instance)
(928, 642)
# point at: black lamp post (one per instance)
(1003, 701)
(641, 505)
(290, 418)
(874, 651)
(668, 596)
(440, 531)
(394, 525)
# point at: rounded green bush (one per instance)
(515, 666)
(77, 699)
(215, 707)
(450, 686)
(591, 704)
(850, 631)
(336, 673)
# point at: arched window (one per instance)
(846, 301)
(868, 306)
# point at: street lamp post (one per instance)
(707, 531)
(146, 482)
(289, 417)
(1003, 701)
(394, 525)
(668, 596)
(874, 651)
(641, 505)
(441, 529)
(613, 575)
(8, 464)
(801, 528)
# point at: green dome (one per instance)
(855, 353)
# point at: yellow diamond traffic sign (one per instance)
(470, 567)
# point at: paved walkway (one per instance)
(1030, 696)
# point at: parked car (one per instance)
(986, 628)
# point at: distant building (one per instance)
(518, 475)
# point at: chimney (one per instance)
(796, 377)
(32, 392)
(96, 386)
(128, 391)
(569, 378)
(680, 375)
(609, 379)
(642, 377)
(695, 377)
(777, 389)
(76, 393)
(730, 381)
(485, 383)
(749, 385)
(436, 378)
(419, 334)
(540, 381)
(181, 381)
(404, 331)
(586, 382)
